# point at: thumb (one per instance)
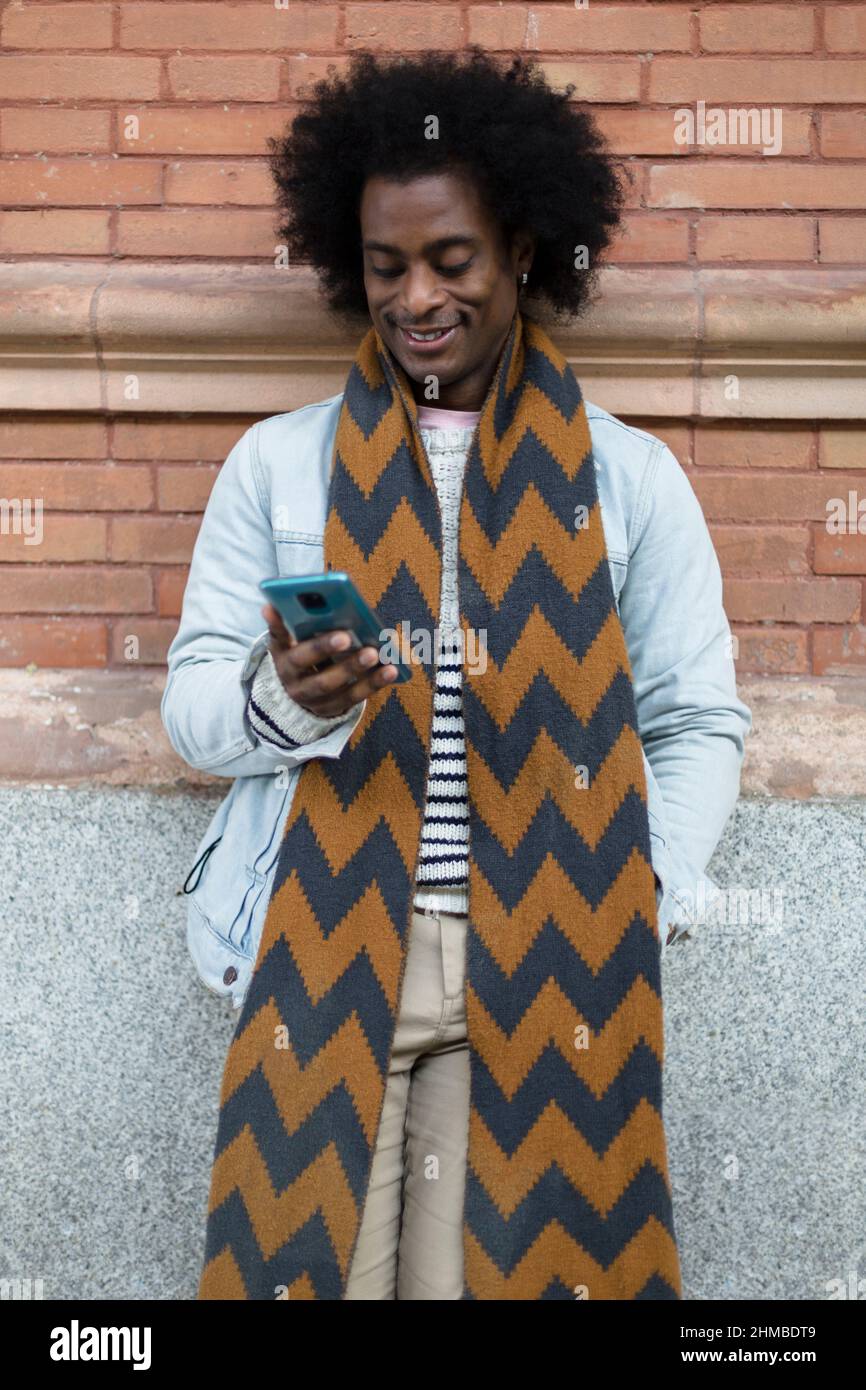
(280, 634)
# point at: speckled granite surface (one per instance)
(113, 1052)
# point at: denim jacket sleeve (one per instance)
(691, 722)
(219, 645)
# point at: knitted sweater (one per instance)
(277, 719)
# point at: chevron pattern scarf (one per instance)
(567, 1188)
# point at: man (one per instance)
(446, 1078)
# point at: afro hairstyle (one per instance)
(539, 162)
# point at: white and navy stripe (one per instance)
(445, 832)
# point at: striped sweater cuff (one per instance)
(279, 720)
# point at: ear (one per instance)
(523, 252)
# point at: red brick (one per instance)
(841, 240)
(202, 129)
(839, 651)
(75, 589)
(842, 448)
(765, 497)
(840, 554)
(792, 600)
(55, 437)
(772, 651)
(211, 181)
(843, 134)
(153, 637)
(65, 78)
(79, 487)
(199, 440)
(754, 446)
(758, 29)
(76, 182)
(845, 28)
(756, 238)
(225, 79)
(185, 489)
(762, 549)
(304, 73)
(194, 232)
(639, 132)
(771, 184)
(65, 643)
(44, 230)
(170, 586)
(161, 539)
(603, 81)
(396, 26)
(64, 538)
(634, 185)
(559, 28)
(43, 130)
(677, 436)
(56, 26)
(226, 26)
(731, 81)
(650, 238)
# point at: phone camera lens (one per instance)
(313, 602)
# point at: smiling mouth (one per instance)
(436, 337)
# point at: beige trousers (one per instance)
(410, 1245)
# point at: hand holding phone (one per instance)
(326, 673)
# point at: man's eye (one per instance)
(443, 270)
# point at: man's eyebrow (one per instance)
(439, 244)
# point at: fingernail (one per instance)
(339, 639)
(368, 656)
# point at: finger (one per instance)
(320, 650)
(346, 695)
(340, 677)
(368, 685)
(277, 628)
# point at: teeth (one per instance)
(428, 337)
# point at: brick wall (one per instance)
(137, 131)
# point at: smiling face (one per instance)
(435, 263)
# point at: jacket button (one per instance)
(230, 976)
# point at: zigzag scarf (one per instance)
(567, 1188)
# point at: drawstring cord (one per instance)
(202, 860)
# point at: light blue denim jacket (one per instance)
(266, 517)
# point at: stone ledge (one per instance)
(217, 337)
(103, 727)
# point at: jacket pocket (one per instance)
(299, 553)
(238, 850)
(261, 871)
(658, 830)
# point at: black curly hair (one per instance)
(540, 164)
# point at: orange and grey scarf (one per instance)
(567, 1189)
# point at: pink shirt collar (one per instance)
(430, 417)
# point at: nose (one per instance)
(420, 294)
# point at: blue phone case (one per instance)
(312, 603)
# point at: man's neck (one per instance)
(460, 395)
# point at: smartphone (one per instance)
(313, 603)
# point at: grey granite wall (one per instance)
(112, 1052)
